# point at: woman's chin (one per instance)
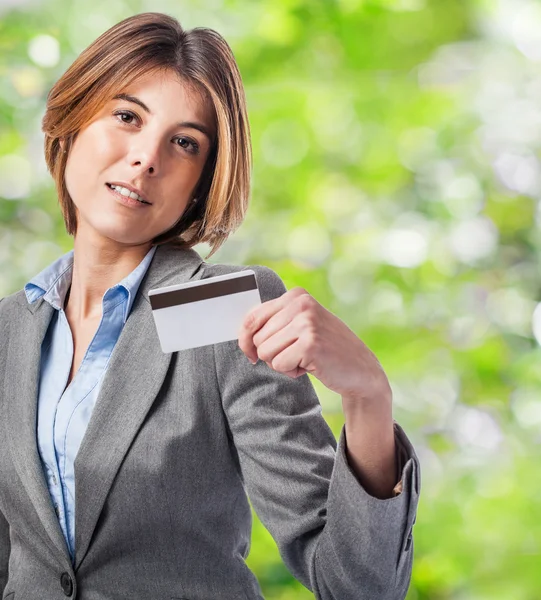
(115, 233)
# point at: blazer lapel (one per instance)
(23, 361)
(135, 374)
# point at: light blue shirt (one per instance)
(63, 416)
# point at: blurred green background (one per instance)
(397, 178)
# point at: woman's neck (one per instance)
(96, 268)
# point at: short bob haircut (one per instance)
(202, 59)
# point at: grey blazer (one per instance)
(175, 446)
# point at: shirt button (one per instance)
(66, 583)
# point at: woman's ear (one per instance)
(63, 145)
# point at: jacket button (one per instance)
(66, 583)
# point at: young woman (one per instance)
(125, 472)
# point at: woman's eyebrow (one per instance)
(191, 124)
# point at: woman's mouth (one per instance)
(126, 197)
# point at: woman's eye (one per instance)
(186, 143)
(125, 116)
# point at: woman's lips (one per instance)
(126, 200)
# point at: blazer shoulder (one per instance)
(270, 284)
(12, 301)
(10, 307)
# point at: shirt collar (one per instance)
(53, 282)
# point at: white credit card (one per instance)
(207, 311)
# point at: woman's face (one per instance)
(154, 137)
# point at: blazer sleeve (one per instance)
(5, 548)
(334, 537)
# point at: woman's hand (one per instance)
(294, 334)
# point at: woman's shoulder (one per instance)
(12, 302)
(9, 308)
(10, 315)
(269, 282)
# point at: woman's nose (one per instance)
(145, 155)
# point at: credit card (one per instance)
(208, 311)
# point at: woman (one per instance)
(126, 471)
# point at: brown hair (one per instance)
(202, 58)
